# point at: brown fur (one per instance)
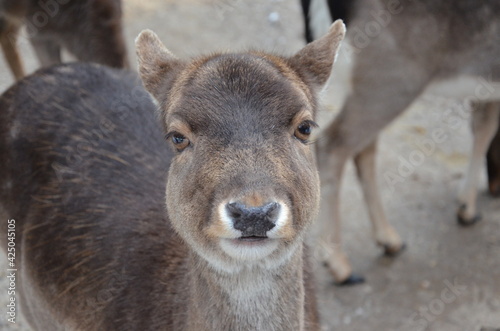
(424, 44)
(91, 30)
(84, 177)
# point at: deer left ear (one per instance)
(315, 60)
(157, 65)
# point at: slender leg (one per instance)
(379, 94)
(329, 243)
(8, 40)
(384, 233)
(484, 126)
(351, 132)
(305, 14)
(493, 162)
(47, 51)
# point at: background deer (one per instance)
(401, 50)
(83, 175)
(91, 30)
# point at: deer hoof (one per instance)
(353, 279)
(465, 220)
(393, 252)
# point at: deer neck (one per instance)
(255, 298)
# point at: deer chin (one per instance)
(249, 248)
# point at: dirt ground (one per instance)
(448, 279)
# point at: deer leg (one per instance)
(493, 162)
(484, 125)
(8, 41)
(47, 51)
(329, 243)
(343, 139)
(385, 234)
(379, 94)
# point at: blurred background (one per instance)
(403, 293)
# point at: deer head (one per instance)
(243, 186)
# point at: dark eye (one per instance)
(304, 130)
(180, 142)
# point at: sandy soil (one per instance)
(411, 292)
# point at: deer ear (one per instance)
(157, 65)
(315, 60)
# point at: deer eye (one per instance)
(179, 141)
(304, 130)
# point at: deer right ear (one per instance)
(157, 65)
(315, 60)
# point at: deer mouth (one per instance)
(252, 238)
(249, 248)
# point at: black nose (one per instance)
(253, 221)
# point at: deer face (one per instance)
(243, 185)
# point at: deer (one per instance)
(180, 201)
(90, 30)
(401, 50)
